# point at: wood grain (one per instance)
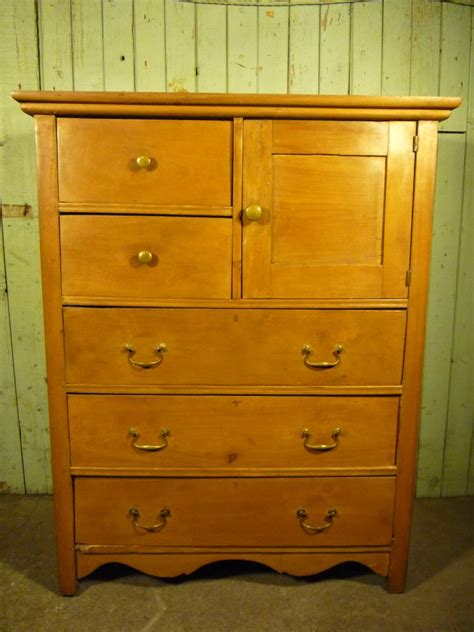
(170, 565)
(232, 347)
(237, 185)
(180, 268)
(412, 372)
(234, 512)
(325, 137)
(232, 432)
(335, 101)
(191, 161)
(50, 264)
(333, 226)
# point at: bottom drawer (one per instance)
(235, 512)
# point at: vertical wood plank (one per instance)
(211, 26)
(118, 45)
(180, 47)
(335, 49)
(439, 337)
(20, 69)
(458, 478)
(303, 72)
(22, 267)
(55, 44)
(242, 49)
(396, 47)
(150, 56)
(455, 67)
(366, 48)
(273, 50)
(426, 33)
(87, 44)
(11, 463)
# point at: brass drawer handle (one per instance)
(253, 212)
(322, 447)
(159, 350)
(164, 514)
(301, 514)
(133, 432)
(307, 350)
(143, 162)
(145, 256)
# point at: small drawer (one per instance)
(235, 512)
(146, 257)
(167, 162)
(230, 432)
(212, 347)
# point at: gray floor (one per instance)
(240, 597)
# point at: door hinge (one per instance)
(408, 278)
(415, 143)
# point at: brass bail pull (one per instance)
(322, 447)
(164, 433)
(164, 514)
(302, 514)
(307, 350)
(159, 350)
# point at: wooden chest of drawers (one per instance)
(235, 292)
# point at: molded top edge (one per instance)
(284, 100)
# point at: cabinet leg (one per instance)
(68, 586)
(397, 578)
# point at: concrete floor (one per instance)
(239, 597)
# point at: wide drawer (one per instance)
(190, 162)
(143, 257)
(233, 347)
(234, 512)
(176, 431)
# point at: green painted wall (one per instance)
(390, 47)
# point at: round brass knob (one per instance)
(145, 256)
(143, 162)
(253, 212)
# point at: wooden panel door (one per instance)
(336, 201)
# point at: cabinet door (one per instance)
(336, 204)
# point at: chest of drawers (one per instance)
(234, 292)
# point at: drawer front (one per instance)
(233, 347)
(190, 161)
(235, 512)
(231, 432)
(143, 257)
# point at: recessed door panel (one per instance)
(328, 210)
(334, 224)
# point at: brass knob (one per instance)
(143, 162)
(145, 256)
(253, 212)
